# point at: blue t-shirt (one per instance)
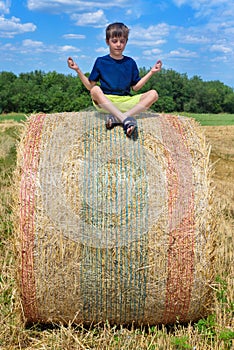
(116, 76)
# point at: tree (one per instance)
(164, 104)
(7, 79)
(55, 92)
(228, 104)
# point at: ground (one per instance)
(221, 139)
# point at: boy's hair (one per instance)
(118, 30)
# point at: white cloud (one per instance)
(5, 7)
(203, 8)
(221, 28)
(220, 59)
(102, 50)
(152, 52)
(31, 47)
(67, 48)
(153, 32)
(134, 11)
(151, 36)
(8, 47)
(74, 36)
(193, 39)
(144, 43)
(71, 6)
(179, 2)
(221, 48)
(32, 43)
(11, 27)
(182, 53)
(151, 55)
(208, 37)
(95, 19)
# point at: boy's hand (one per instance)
(157, 67)
(72, 64)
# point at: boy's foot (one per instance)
(111, 122)
(130, 127)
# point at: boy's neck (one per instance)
(116, 57)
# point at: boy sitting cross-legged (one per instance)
(118, 74)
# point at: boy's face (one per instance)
(117, 46)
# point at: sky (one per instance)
(193, 37)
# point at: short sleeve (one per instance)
(95, 75)
(135, 75)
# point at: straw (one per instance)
(109, 228)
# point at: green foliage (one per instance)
(207, 326)
(221, 292)
(228, 103)
(41, 92)
(180, 343)
(54, 92)
(227, 336)
(165, 104)
(222, 296)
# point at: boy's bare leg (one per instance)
(102, 101)
(147, 99)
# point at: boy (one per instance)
(117, 75)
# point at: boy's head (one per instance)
(117, 30)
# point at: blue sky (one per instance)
(195, 37)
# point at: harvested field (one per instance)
(221, 139)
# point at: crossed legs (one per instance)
(146, 100)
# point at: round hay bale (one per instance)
(113, 229)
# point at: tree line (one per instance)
(50, 92)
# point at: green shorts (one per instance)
(123, 103)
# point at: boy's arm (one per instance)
(156, 68)
(87, 83)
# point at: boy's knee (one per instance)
(95, 91)
(154, 95)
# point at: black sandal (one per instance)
(130, 122)
(111, 122)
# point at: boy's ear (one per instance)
(107, 42)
